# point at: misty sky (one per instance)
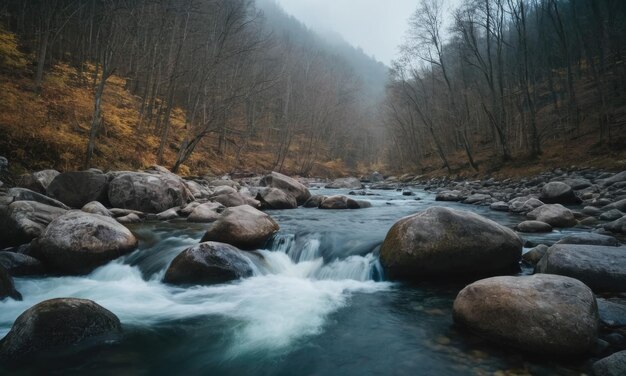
(377, 26)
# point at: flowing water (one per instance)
(318, 304)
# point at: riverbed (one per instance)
(318, 304)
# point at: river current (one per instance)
(318, 304)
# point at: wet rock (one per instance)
(314, 201)
(520, 312)
(95, 207)
(534, 226)
(557, 192)
(77, 188)
(618, 226)
(207, 212)
(477, 198)
(449, 196)
(555, 215)
(129, 218)
(589, 238)
(613, 365)
(611, 215)
(171, 213)
(78, 242)
(600, 267)
(23, 194)
(441, 242)
(287, 184)
(224, 183)
(242, 226)
(592, 211)
(198, 191)
(208, 263)
(499, 206)
(22, 221)
(345, 183)
(18, 264)
(59, 325)
(612, 314)
(148, 192)
(524, 204)
(38, 181)
(274, 198)
(7, 288)
(619, 177)
(577, 184)
(535, 254)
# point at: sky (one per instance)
(377, 26)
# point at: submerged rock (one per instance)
(543, 313)
(208, 263)
(290, 185)
(441, 242)
(78, 242)
(77, 188)
(600, 267)
(7, 288)
(242, 226)
(62, 325)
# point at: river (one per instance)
(318, 304)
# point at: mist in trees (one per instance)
(503, 77)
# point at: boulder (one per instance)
(556, 215)
(189, 208)
(345, 183)
(229, 199)
(449, 196)
(22, 221)
(129, 218)
(499, 206)
(619, 177)
(535, 254)
(612, 314)
(441, 242)
(19, 264)
(335, 202)
(577, 184)
(23, 194)
(77, 188)
(242, 226)
(7, 288)
(171, 213)
(78, 242)
(314, 201)
(600, 267)
(274, 198)
(59, 325)
(207, 212)
(95, 207)
(543, 314)
(224, 183)
(533, 226)
(611, 215)
(477, 198)
(208, 263)
(287, 184)
(198, 190)
(38, 181)
(618, 226)
(619, 205)
(148, 192)
(613, 365)
(557, 192)
(524, 204)
(590, 238)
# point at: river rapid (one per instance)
(318, 304)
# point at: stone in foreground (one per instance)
(208, 263)
(78, 242)
(242, 226)
(543, 313)
(59, 325)
(603, 268)
(441, 242)
(614, 365)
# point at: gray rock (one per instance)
(441, 243)
(78, 242)
(449, 196)
(345, 183)
(338, 202)
(612, 314)
(208, 263)
(148, 192)
(274, 198)
(589, 238)
(618, 226)
(23, 194)
(600, 267)
(520, 312)
(533, 226)
(555, 215)
(197, 190)
(287, 184)
(613, 365)
(477, 198)
(524, 205)
(95, 207)
(499, 206)
(171, 213)
(62, 325)
(592, 211)
(314, 201)
(37, 181)
(577, 184)
(535, 254)
(129, 218)
(22, 221)
(611, 215)
(7, 288)
(18, 264)
(242, 226)
(207, 212)
(619, 205)
(77, 188)
(619, 177)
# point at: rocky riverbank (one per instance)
(71, 223)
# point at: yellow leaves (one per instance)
(10, 56)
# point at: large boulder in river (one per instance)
(542, 313)
(441, 242)
(287, 184)
(603, 268)
(77, 188)
(207, 212)
(61, 325)
(557, 192)
(208, 263)
(556, 215)
(78, 242)
(242, 226)
(314, 201)
(7, 288)
(23, 194)
(148, 192)
(22, 221)
(274, 198)
(37, 181)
